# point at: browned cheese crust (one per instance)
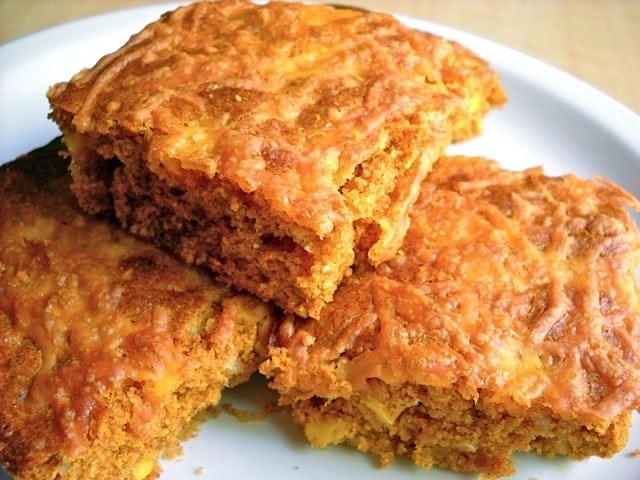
(271, 143)
(508, 321)
(108, 346)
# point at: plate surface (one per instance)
(552, 119)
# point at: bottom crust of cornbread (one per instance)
(431, 426)
(109, 347)
(509, 321)
(438, 428)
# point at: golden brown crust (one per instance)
(296, 108)
(514, 293)
(261, 96)
(109, 345)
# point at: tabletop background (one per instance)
(597, 41)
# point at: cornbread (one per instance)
(109, 346)
(508, 321)
(272, 143)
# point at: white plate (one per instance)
(552, 119)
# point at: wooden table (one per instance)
(595, 40)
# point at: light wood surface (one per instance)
(597, 41)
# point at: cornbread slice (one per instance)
(508, 321)
(108, 345)
(270, 143)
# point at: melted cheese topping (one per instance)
(81, 311)
(283, 100)
(326, 432)
(514, 288)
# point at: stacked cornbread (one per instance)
(443, 309)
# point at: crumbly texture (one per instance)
(508, 321)
(109, 346)
(272, 143)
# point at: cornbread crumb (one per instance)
(245, 416)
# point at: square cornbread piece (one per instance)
(109, 346)
(508, 321)
(271, 143)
